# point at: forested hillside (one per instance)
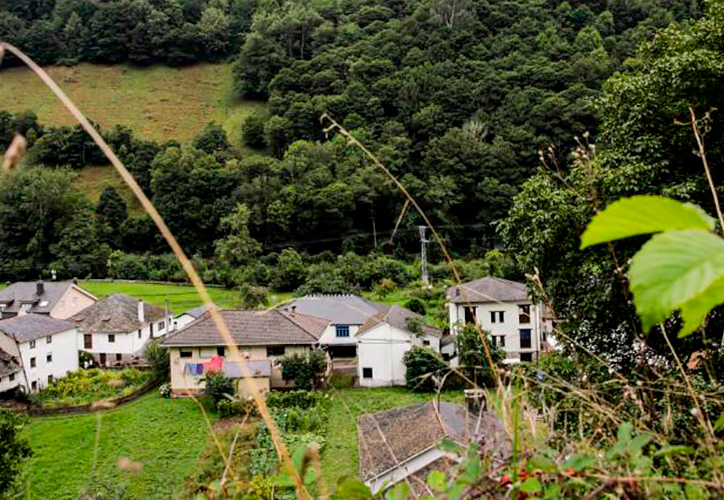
(455, 97)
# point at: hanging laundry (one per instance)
(214, 365)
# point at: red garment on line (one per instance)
(214, 365)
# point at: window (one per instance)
(275, 350)
(221, 351)
(119, 357)
(32, 344)
(366, 372)
(49, 358)
(50, 379)
(49, 339)
(543, 336)
(525, 339)
(103, 358)
(139, 333)
(88, 341)
(12, 377)
(187, 354)
(207, 352)
(524, 314)
(499, 340)
(469, 315)
(32, 363)
(111, 338)
(161, 325)
(150, 329)
(499, 315)
(526, 356)
(342, 330)
(426, 342)
(34, 385)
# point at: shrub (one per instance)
(384, 288)
(253, 296)
(472, 355)
(164, 390)
(218, 387)
(305, 370)
(14, 448)
(416, 305)
(228, 408)
(295, 399)
(158, 358)
(212, 139)
(422, 364)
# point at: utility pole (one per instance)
(423, 254)
(374, 231)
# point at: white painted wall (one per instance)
(382, 349)
(8, 382)
(182, 320)
(329, 337)
(125, 343)
(509, 328)
(64, 350)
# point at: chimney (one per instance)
(75, 281)
(40, 288)
(141, 315)
(294, 309)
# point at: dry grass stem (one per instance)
(14, 153)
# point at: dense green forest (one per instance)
(457, 98)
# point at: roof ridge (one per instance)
(286, 315)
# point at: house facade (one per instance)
(383, 341)
(57, 299)
(345, 313)
(503, 309)
(187, 317)
(262, 337)
(10, 371)
(45, 348)
(117, 328)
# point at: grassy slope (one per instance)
(165, 435)
(180, 297)
(158, 103)
(340, 455)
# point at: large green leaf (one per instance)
(671, 269)
(643, 215)
(695, 310)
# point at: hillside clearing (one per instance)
(157, 102)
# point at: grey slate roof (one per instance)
(33, 326)
(391, 437)
(488, 289)
(272, 327)
(26, 292)
(398, 317)
(196, 311)
(338, 309)
(116, 313)
(8, 364)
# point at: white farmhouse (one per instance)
(116, 329)
(346, 314)
(383, 341)
(57, 299)
(503, 309)
(46, 348)
(187, 317)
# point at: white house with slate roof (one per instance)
(346, 314)
(261, 337)
(187, 317)
(45, 347)
(116, 329)
(504, 309)
(57, 299)
(383, 341)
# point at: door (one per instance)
(103, 359)
(88, 341)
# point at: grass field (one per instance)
(72, 453)
(179, 298)
(157, 102)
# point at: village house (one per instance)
(10, 372)
(117, 328)
(187, 317)
(504, 309)
(45, 349)
(383, 341)
(346, 314)
(57, 299)
(403, 442)
(261, 337)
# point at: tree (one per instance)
(14, 448)
(305, 370)
(78, 253)
(111, 213)
(252, 131)
(212, 139)
(215, 32)
(290, 271)
(471, 352)
(218, 387)
(158, 358)
(237, 247)
(424, 369)
(258, 62)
